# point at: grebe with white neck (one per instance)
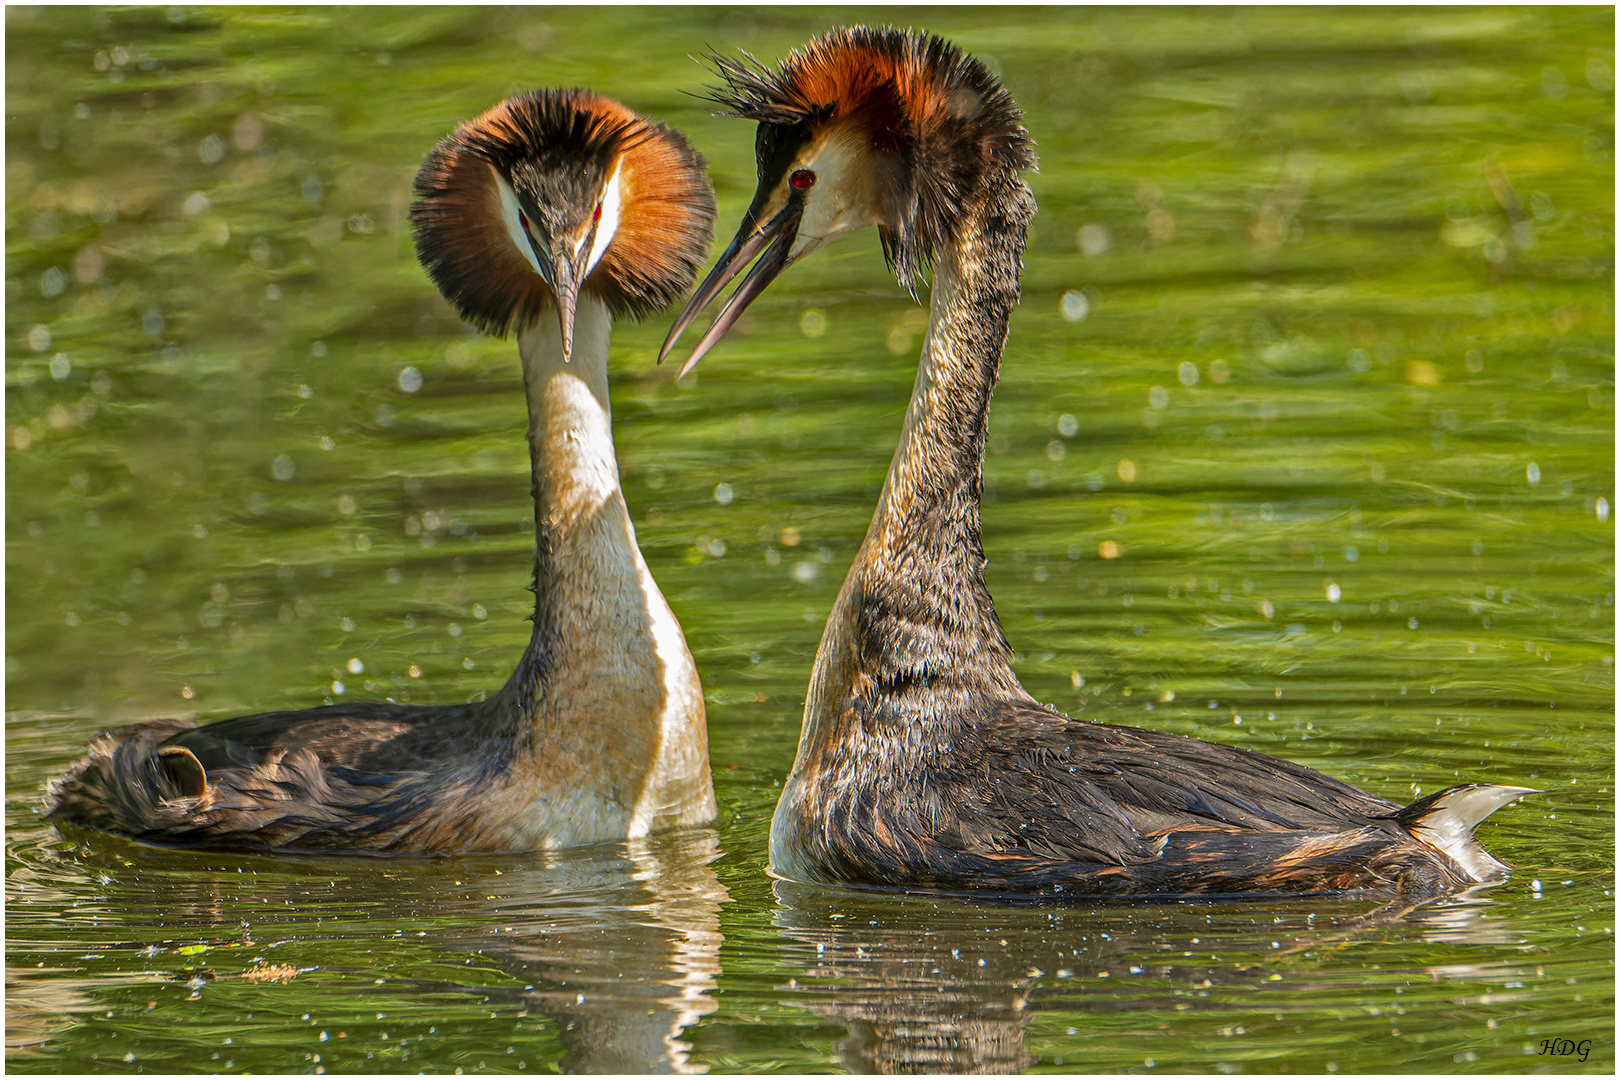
(546, 217)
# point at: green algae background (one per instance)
(1304, 442)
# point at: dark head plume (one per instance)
(557, 149)
(937, 124)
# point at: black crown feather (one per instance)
(560, 147)
(952, 128)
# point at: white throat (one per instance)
(620, 697)
(570, 418)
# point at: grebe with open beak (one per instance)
(922, 762)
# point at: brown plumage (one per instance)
(662, 238)
(553, 205)
(933, 120)
(922, 761)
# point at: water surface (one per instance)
(1304, 443)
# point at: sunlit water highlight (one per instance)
(1304, 443)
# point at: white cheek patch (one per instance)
(612, 205)
(834, 206)
(514, 222)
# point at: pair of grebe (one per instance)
(922, 761)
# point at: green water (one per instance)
(1316, 342)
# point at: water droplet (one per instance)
(211, 150)
(1075, 306)
(1094, 239)
(1599, 76)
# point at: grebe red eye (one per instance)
(802, 179)
(597, 215)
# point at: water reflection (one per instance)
(626, 964)
(945, 993)
(616, 947)
(142, 475)
(946, 985)
(1469, 919)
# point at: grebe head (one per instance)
(557, 192)
(864, 126)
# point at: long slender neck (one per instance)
(575, 472)
(584, 544)
(915, 624)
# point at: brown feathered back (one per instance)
(561, 146)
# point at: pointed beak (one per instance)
(563, 267)
(775, 239)
(567, 275)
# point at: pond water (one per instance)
(1305, 442)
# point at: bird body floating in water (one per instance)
(922, 762)
(546, 216)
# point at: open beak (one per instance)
(775, 239)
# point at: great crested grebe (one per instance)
(922, 761)
(547, 215)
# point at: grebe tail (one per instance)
(922, 761)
